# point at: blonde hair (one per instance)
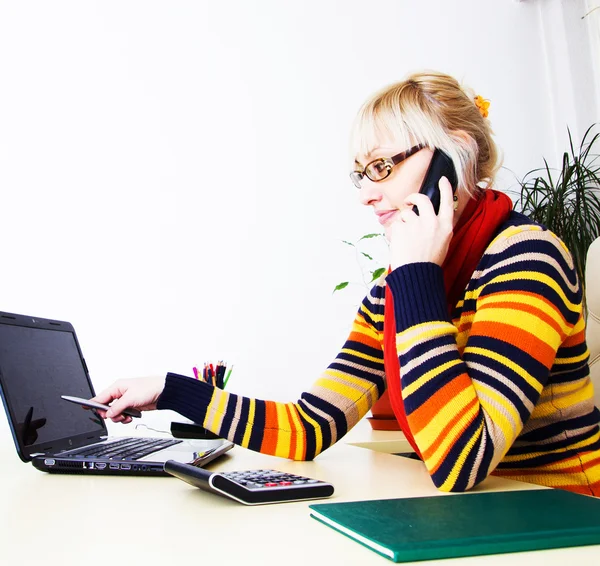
(432, 109)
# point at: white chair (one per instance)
(592, 295)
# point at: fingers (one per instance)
(422, 202)
(113, 393)
(446, 212)
(108, 394)
(117, 408)
(123, 419)
(139, 393)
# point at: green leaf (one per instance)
(367, 236)
(367, 256)
(378, 273)
(341, 286)
(349, 243)
(566, 200)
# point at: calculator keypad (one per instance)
(264, 479)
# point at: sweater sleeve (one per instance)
(336, 402)
(469, 387)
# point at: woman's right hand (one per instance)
(138, 393)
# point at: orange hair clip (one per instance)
(483, 105)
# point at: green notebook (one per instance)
(471, 524)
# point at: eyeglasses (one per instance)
(380, 169)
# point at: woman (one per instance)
(477, 330)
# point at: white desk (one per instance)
(66, 520)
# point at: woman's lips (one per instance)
(385, 217)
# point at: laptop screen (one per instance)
(37, 366)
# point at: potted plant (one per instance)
(567, 201)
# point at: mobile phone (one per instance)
(93, 405)
(440, 166)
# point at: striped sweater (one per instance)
(502, 386)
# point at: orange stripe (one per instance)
(595, 487)
(464, 315)
(580, 489)
(269, 441)
(427, 412)
(429, 453)
(364, 339)
(586, 489)
(574, 340)
(540, 313)
(581, 466)
(521, 339)
(551, 469)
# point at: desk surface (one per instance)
(62, 520)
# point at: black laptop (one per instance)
(40, 360)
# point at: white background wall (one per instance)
(173, 175)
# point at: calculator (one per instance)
(252, 487)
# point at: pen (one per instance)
(227, 376)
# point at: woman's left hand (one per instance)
(426, 237)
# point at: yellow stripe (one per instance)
(214, 416)
(374, 317)
(498, 417)
(317, 428)
(522, 320)
(514, 230)
(473, 294)
(572, 360)
(580, 325)
(538, 278)
(284, 435)
(361, 355)
(552, 404)
(365, 329)
(423, 332)
(300, 434)
(524, 299)
(557, 465)
(357, 397)
(562, 388)
(360, 383)
(249, 423)
(509, 364)
(451, 439)
(428, 376)
(458, 465)
(431, 432)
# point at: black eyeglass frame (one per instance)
(388, 162)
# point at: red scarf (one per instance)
(474, 231)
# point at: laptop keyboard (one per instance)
(129, 448)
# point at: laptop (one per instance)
(40, 360)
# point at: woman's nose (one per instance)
(369, 192)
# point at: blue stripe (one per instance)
(528, 363)
(542, 460)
